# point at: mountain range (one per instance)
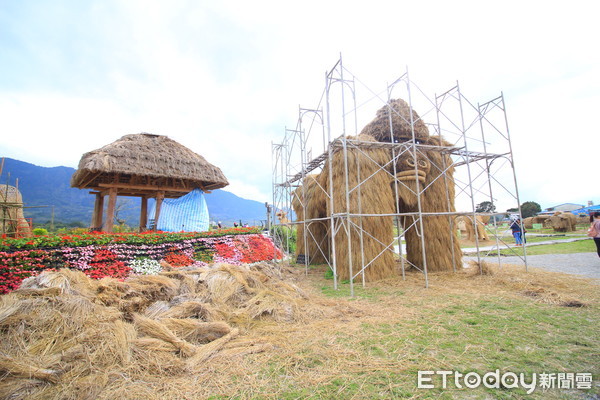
(47, 191)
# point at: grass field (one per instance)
(373, 345)
(582, 246)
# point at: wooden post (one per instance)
(110, 211)
(98, 211)
(144, 214)
(159, 199)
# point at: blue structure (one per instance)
(586, 210)
(187, 213)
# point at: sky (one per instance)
(227, 78)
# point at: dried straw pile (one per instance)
(67, 336)
(312, 195)
(374, 196)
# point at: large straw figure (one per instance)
(372, 196)
(12, 220)
(382, 173)
(309, 203)
(430, 167)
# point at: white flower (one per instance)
(145, 266)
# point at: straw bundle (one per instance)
(402, 126)
(194, 331)
(374, 196)
(67, 281)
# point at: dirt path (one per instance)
(585, 264)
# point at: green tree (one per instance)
(530, 208)
(485, 207)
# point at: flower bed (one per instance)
(118, 255)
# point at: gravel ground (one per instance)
(585, 264)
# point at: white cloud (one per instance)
(225, 79)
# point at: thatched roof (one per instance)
(402, 128)
(145, 162)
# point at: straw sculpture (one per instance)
(431, 168)
(312, 196)
(64, 335)
(282, 217)
(382, 172)
(561, 222)
(146, 159)
(403, 124)
(539, 219)
(442, 249)
(466, 221)
(373, 196)
(12, 220)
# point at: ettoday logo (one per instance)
(507, 380)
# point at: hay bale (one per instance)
(402, 126)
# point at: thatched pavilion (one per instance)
(142, 165)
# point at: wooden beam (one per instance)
(89, 181)
(98, 211)
(110, 211)
(159, 199)
(144, 214)
(148, 188)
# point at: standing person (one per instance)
(517, 231)
(595, 226)
(219, 225)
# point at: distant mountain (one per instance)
(46, 190)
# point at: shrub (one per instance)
(40, 232)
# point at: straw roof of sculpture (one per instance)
(147, 159)
(402, 128)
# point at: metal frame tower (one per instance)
(481, 154)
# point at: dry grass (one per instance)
(316, 346)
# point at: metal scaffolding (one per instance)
(481, 153)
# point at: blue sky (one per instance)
(225, 78)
